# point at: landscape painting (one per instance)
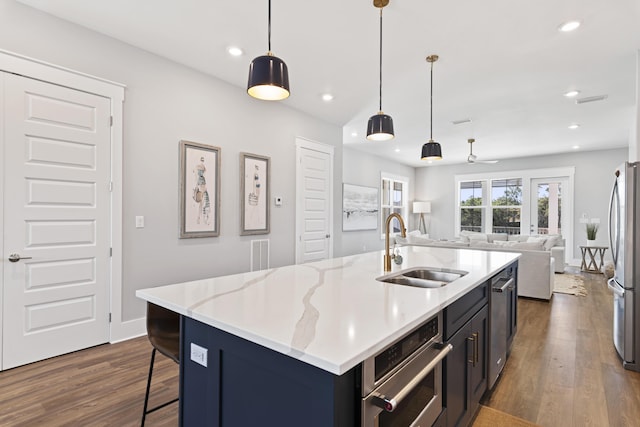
(359, 207)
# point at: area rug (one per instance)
(569, 284)
(489, 417)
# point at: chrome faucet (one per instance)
(403, 231)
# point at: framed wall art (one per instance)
(199, 190)
(255, 191)
(359, 207)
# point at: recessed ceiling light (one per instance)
(572, 93)
(354, 134)
(235, 51)
(327, 97)
(574, 126)
(397, 150)
(569, 26)
(575, 147)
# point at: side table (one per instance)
(592, 258)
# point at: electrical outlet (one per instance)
(199, 354)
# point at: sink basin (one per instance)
(424, 277)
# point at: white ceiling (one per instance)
(503, 64)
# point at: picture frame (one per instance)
(360, 207)
(199, 190)
(255, 194)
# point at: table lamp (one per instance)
(422, 208)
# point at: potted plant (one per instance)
(592, 231)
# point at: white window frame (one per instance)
(527, 175)
(405, 200)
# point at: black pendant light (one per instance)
(380, 126)
(268, 75)
(431, 150)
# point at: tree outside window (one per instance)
(472, 208)
(506, 201)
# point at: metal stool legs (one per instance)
(146, 396)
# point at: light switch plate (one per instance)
(139, 221)
(199, 354)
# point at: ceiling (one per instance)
(503, 64)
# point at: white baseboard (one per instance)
(126, 330)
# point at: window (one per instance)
(526, 201)
(506, 204)
(394, 198)
(472, 207)
(500, 211)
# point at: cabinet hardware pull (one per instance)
(476, 344)
(472, 340)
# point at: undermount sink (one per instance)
(424, 277)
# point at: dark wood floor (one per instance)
(563, 371)
(100, 386)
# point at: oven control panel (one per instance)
(393, 355)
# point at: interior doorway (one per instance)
(314, 201)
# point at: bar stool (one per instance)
(163, 330)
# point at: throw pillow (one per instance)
(419, 239)
(481, 244)
(531, 246)
(496, 237)
(477, 237)
(552, 240)
(532, 239)
(401, 240)
(504, 243)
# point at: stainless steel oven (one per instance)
(402, 385)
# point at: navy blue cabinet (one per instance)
(245, 384)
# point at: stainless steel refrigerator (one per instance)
(624, 215)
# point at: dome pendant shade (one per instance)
(431, 151)
(380, 127)
(268, 78)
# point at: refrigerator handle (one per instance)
(614, 199)
(611, 284)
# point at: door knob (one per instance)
(17, 257)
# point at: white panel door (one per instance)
(315, 181)
(57, 220)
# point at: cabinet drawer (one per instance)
(459, 312)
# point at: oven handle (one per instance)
(389, 404)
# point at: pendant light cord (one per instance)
(269, 27)
(431, 105)
(380, 97)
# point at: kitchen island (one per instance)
(308, 324)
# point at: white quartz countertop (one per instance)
(332, 314)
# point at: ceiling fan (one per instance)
(472, 157)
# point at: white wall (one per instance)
(166, 102)
(364, 169)
(592, 187)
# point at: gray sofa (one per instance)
(542, 256)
